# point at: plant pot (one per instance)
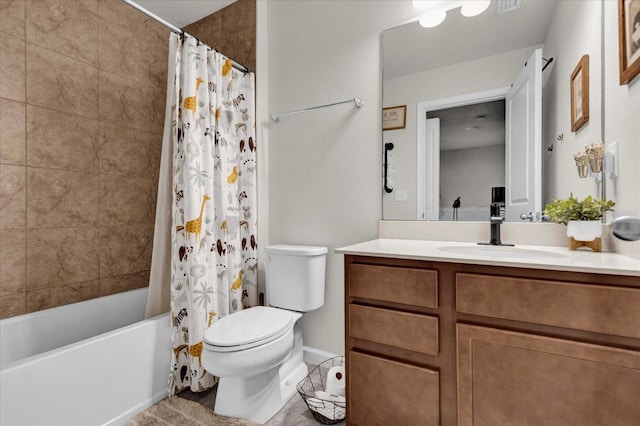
(584, 230)
(584, 233)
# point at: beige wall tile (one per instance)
(12, 135)
(59, 256)
(62, 141)
(12, 68)
(13, 262)
(66, 27)
(13, 304)
(128, 151)
(63, 295)
(61, 83)
(125, 53)
(125, 102)
(158, 99)
(124, 16)
(125, 249)
(127, 200)
(12, 17)
(238, 31)
(61, 198)
(61, 147)
(12, 197)
(122, 283)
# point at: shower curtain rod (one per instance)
(179, 31)
(357, 102)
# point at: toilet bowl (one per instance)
(259, 366)
(257, 353)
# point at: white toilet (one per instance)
(257, 352)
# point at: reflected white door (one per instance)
(429, 171)
(523, 150)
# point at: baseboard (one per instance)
(315, 356)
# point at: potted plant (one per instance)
(581, 217)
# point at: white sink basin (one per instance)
(502, 252)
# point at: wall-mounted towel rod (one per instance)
(357, 102)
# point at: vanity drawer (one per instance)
(409, 286)
(404, 330)
(385, 392)
(596, 308)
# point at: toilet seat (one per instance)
(247, 329)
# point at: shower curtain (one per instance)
(205, 249)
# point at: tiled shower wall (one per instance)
(231, 30)
(82, 95)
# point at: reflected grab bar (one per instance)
(387, 147)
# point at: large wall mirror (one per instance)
(470, 85)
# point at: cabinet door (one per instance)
(510, 378)
(385, 392)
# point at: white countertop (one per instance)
(560, 258)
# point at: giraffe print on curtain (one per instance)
(214, 248)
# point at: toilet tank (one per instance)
(295, 276)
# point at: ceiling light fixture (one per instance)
(435, 11)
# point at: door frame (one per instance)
(421, 148)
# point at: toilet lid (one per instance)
(248, 327)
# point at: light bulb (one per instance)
(474, 7)
(433, 19)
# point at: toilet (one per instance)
(257, 352)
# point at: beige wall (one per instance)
(323, 167)
(82, 93)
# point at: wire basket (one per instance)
(324, 411)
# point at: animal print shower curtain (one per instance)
(213, 234)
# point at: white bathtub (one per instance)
(91, 363)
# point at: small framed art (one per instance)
(580, 94)
(629, 39)
(394, 117)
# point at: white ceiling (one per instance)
(183, 12)
(471, 126)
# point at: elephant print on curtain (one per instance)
(214, 249)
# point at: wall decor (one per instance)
(580, 94)
(629, 39)
(394, 117)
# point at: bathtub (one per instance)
(97, 362)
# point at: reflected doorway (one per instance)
(472, 158)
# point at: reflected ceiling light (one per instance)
(433, 18)
(435, 11)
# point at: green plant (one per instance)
(562, 211)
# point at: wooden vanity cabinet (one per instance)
(436, 343)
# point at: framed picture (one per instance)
(629, 39)
(394, 117)
(580, 94)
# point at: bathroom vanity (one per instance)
(444, 335)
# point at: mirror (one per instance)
(461, 72)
